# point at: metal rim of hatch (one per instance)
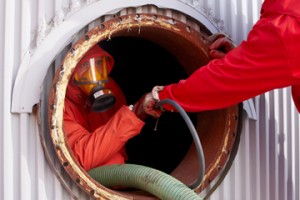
(144, 25)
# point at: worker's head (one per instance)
(91, 76)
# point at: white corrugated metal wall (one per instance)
(266, 166)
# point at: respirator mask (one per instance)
(91, 76)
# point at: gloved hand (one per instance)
(146, 105)
(220, 45)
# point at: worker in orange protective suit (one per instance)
(268, 59)
(97, 121)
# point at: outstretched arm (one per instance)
(257, 65)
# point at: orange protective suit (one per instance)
(98, 138)
(267, 60)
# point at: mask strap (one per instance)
(91, 82)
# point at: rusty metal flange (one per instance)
(217, 129)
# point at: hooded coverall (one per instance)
(268, 59)
(98, 138)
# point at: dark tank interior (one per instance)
(141, 64)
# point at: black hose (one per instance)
(194, 135)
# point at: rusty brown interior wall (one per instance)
(216, 129)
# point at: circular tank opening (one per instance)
(151, 50)
(139, 65)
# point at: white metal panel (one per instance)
(53, 42)
(2, 128)
(9, 43)
(267, 164)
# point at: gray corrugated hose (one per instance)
(145, 178)
(194, 134)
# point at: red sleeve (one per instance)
(97, 148)
(256, 66)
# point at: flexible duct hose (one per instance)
(156, 182)
(194, 135)
(151, 180)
